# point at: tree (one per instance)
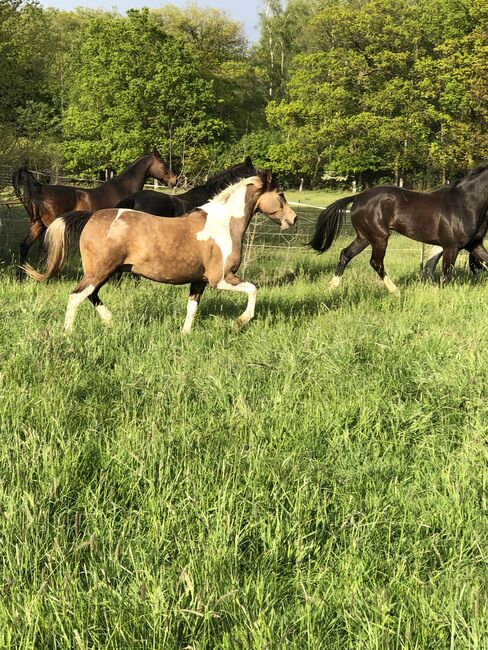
(136, 87)
(220, 50)
(382, 91)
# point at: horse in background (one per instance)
(167, 205)
(46, 202)
(454, 217)
(199, 248)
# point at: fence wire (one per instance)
(262, 234)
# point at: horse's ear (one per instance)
(269, 178)
(248, 161)
(156, 152)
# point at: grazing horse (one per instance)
(453, 217)
(46, 202)
(200, 248)
(166, 205)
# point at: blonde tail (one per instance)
(61, 236)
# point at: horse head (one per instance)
(160, 170)
(272, 202)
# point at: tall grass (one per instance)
(318, 480)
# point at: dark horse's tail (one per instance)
(327, 225)
(29, 191)
(61, 236)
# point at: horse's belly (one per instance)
(167, 271)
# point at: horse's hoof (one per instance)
(335, 282)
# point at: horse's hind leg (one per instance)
(103, 312)
(432, 260)
(36, 228)
(376, 261)
(345, 257)
(87, 288)
(196, 290)
(478, 258)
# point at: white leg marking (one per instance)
(74, 301)
(243, 287)
(191, 310)
(434, 251)
(104, 314)
(392, 288)
(335, 282)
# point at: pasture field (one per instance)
(317, 480)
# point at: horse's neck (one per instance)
(132, 178)
(476, 194)
(229, 221)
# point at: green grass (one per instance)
(317, 480)
(315, 197)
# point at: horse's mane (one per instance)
(260, 180)
(224, 195)
(473, 173)
(228, 176)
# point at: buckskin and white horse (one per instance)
(202, 247)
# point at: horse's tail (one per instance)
(29, 191)
(60, 239)
(327, 226)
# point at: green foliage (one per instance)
(136, 87)
(386, 86)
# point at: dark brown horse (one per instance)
(453, 217)
(46, 202)
(168, 205)
(200, 248)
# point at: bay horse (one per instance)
(46, 202)
(167, 205)
(200, 248)
(453, 217)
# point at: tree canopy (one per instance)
(365, 90)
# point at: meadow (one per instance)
(317, 480)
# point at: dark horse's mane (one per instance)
(230, 175)
(473, 173)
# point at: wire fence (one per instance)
(262, 235)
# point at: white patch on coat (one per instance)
(392, 288)
(104, 314)
(243, 287)
(191, 310)
(120, 212)
(335, 282)
(74, 301)
(219, 215)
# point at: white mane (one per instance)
(225, 195)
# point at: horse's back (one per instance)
(150, 201)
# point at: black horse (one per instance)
(167, 205)
(454, 217)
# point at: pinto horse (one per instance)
(167, 205)
(46, 202)
(200, 248)
(453, 217)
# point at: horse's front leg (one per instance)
(232, 283)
